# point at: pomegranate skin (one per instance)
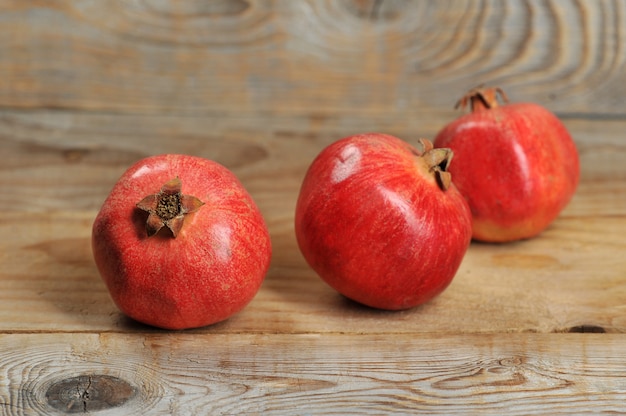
(210, 271)
(517, 166)
(375, 225)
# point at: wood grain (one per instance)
(70, 160)
(570, 276)
(326, 56)
(89, 87)
(182, 374)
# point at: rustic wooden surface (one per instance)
(88, 87)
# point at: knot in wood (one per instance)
(89, 393)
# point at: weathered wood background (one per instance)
(87, 87)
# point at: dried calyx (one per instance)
(168, 208)
(438, 161)
(482, 98)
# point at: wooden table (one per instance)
(89, 87)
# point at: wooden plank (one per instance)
(59, 166)
(178, 374)
(57, 160)
(328, 57)
(570, 276)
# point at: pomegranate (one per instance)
(381, 222)
(516, 164)
(180, 243)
